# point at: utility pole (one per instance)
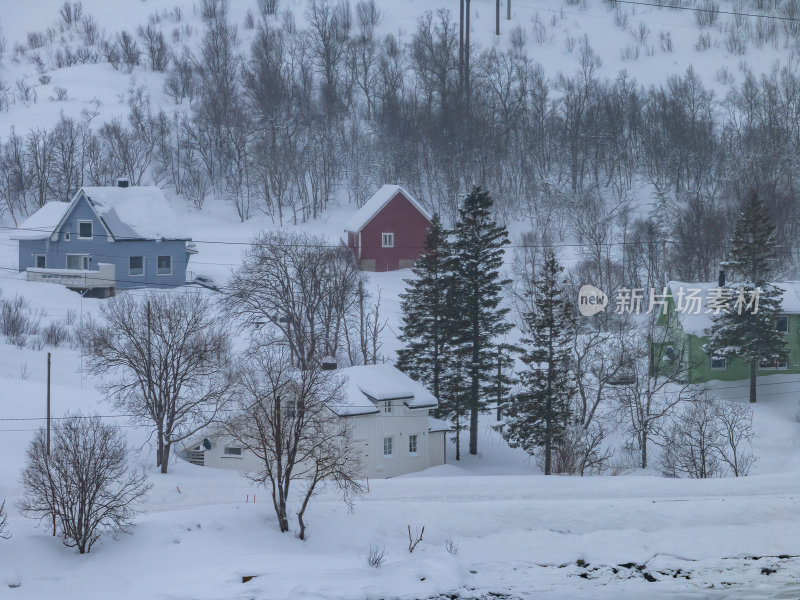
(461, 47)
(48, 404)
(497, 17)
(466, 56)
(499, 378)
(508, 10)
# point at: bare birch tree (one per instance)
(287, 420)
(163, 360)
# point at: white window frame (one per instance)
(390, 439)
(158, 268)
(781, 317)
(36, 258)
(387, 407)
(66, 236)
(227, 454)
(130, 272)
(387, 240)
(413, 438)
(724, 366)
(84, 259)
(781, 365)
(91, 235)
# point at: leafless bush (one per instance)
(703, 42)
(17, 320)
(128, 49)
(451, 546)
(630, 52)
(708, 439)
(83, 483)
(268, 7)
(790, 11)
(44, 79)
(539, 30)
(249, 20)
(60, 94)
(36, 39)
(376, 556)
(621, 18)
(665, 38)
(518, 38)
(5, 534)
(707, 13)
(581, 451)
(736, 43)
(89, 30)
(155, 47)
(55, 334)
(71, 13)
(416, 539)
(641, 34)
(25, 93)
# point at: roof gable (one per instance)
(41, 224)
(368, 384)
(376, 204)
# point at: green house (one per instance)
(687, 316)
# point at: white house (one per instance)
(389, 417)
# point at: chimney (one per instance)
(123, 182)
(329, 363)
(721, 280)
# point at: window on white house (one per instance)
(412, 444)
(136, 265)
(387, 407)
(165, 265)
(232, 451)
(290, 408)
(41, 261)
(387, 240)
(719, 364)
(85, 230)
(782, 323)
(388, 446)
(78, 261)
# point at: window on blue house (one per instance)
(165, 265)
(136, 265)
(85, 230)
(40, 261)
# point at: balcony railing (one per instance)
(104, 277)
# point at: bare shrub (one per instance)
(790, 11)
(581, 451)
(451, 546)
(55, 334)
(665, 37)
(707, 13)
(83, 483)
(26, 93)
(416, 539)
(17, 320)
(5, 534)
(376, 556)
(60, 94)
(70, 13)
(703, 42)
(36, 39)
(268, 7)
(128, 50)
(155, 47)
(641, 34)
(736, 43)
(735, 422)
(621, 18)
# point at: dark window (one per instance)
(85, 229)
(782, 323)
(40, 261)
(233, 451)
(719, 363)
(165, 265)
(136, 265)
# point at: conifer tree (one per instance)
(425, 330)
(538, 416)
(478, 320)
(745, 327)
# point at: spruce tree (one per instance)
(743, 330)
(478, 248)
(539, 414)
(425, 330)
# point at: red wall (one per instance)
(409, 226)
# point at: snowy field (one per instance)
(519, 535)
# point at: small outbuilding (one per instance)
(388, 232)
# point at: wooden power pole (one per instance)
(497, 17)
(461, 47)
(48, 404)
(508, 10)
(466, 55)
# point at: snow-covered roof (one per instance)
(375, 204)
(697, 317)
(40, 225)
(438, 425)
(365, 385)
(135, 212)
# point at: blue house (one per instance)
(106, 239)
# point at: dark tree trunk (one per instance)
(753, 375)
(165, 457)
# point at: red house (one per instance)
(388, 232)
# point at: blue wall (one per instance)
(103, 251)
